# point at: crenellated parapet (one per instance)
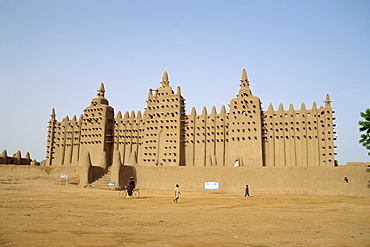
(303, 137)
(63, 141)
(128, 136)
(16, 159)
(206, 137)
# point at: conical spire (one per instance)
(165, 82)
(281, 107)
(204, 111)
(314, 105)
(100, 100)
(4, 154)
(244, 80)
(314, 108)
(193, 111)
(52, 113)
(213, 112)
(244, 86)
(271, 108)
(119, 115)
(327, 100)
(101, 91)
(223, 109)
(18, 154)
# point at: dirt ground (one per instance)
(38, 212)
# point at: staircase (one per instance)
(102, 183)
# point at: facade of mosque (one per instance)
(164, 135)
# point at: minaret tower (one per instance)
(97, 129)
(50, 139)
(327, 138)
(163, 143)
(245, 130)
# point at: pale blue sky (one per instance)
(55, 54)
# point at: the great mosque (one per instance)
(165, 135)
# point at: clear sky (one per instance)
(55, 54)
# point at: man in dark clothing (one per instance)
(131, 186)
(246, 191)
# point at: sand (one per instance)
(38, 212)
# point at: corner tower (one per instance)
(97, 129)
(245, 131)
(164, 127)
(50, 154)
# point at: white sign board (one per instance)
(63, 177)
(110, 183)
(211, 185)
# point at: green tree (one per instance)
(365, 126)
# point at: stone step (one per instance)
(102, 183)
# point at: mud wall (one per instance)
(19, 171)
(274, 180)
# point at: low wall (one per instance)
(24, 171)
(274, 180)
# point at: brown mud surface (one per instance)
(38, 212)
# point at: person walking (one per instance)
(177, 193)
(246, 190)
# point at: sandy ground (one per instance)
(38, 212)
